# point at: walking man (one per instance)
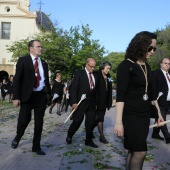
(162, 84)
(84, 82)
(31, 84)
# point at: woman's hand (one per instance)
(118, 129)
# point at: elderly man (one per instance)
(162, 84)
(84, 82)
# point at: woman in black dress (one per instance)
(134, 96)
(104, 97)
(4, 89)
(10, 88)
(57, 88)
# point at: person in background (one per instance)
(10, 88)
(103, 97)
(134, 96)
(84, 82)
(4, 89)
(67, 101)
(30, 89)
(162, 84)
(57, 88)
(64, 99)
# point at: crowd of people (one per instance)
(136, 92)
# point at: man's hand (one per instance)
(74, 106)
(16, 103)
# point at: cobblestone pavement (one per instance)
(77, 156)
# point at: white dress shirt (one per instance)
(40, 67)
(168, 83)
(89, 78)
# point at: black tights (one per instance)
(100, 127)
(135, 160)
(58, 107)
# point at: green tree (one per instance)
(115, 59)
(163, 47)
(63, 50)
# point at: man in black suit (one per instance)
(162, 84)
(84, 82)
(31, 86)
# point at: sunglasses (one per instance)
(151, 48)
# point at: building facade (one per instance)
(16, 23)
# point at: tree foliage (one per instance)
(115, 59)
(163, 47)
(68, 50)
(63, 50)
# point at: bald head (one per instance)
(90, 64)
(165, 64)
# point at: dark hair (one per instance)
(57, 71)
(30, 43)
(104, 64)
(138, 46)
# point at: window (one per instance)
(6, 30)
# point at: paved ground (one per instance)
(77, 156)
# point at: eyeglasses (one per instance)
(37, 46)
(91, 66)
(166, 63)
(151, 48)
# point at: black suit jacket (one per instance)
(80, 85)
(25, 78)
(160, 85)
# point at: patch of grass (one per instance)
(105, 166)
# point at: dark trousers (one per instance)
(67, 105)
(78, 117)
(37, 102)
(164, 128)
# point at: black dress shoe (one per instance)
(91, 144)
(14, 144)
(39, 152)
(59, 113)
(68, 140)
(157, 137)
(167, 140)
(103, 140)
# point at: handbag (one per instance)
(154, 112)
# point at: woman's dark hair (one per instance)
(104, 64)
(57, 71)
(138, 47)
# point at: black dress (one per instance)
(58, 89)
(4, 90)
(131, 85)
(10, 87)
(103, 96)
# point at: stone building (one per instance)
(16, 23)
